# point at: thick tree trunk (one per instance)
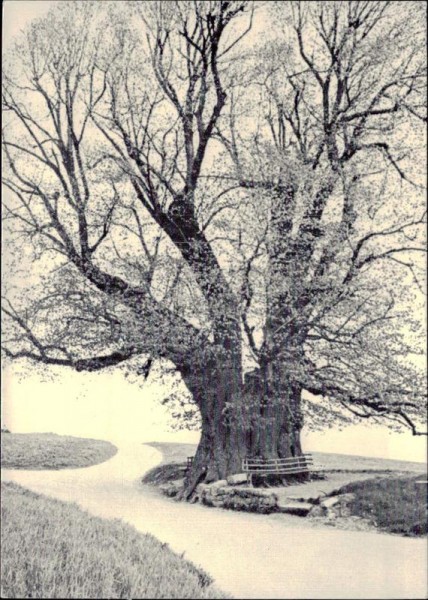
(260, 418)
(218, 392)
(275, 414)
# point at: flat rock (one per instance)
(169, 490)
(347, 497)
(203, 487)
(218, 483)
(177, 482)
(317, 511)
(252, 491)
(237, 479)
(216, 490)
(294, 508)
(329, 502)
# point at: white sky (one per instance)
(18, 13)
(105, 405)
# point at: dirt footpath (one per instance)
(249, 555)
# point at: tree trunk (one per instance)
(260, 418)
(217, 389)
(275, 414)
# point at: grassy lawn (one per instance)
(397, 505)
(164, 473)
(53, 549)
(50, 451)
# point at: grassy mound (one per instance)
(174, 461)
(50, 451)
(397, 505)
(164, 474)
(173, 452)
(53, 549)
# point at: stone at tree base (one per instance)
(311, 499)
(218, 491)
(217, 503)
(202, 487)
(210, 489)
(251, 491)
(330, 502)
(168, 490)
(237, 498)
(317, 511)
(300, 509)
(347, 498)
(172, 488)
(177, 482)
(218, 483)
(237, 479)
(259, 504)
(334, 507)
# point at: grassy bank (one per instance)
(53, 549)
(393, 502)
(50, 451)
(173, 452)
(174, 459)
(396, 505)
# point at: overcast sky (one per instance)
(18, 13)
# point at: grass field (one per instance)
(397, 505)
(50, 451)
(53, 549)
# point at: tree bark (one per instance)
(260, 417)
(217, 388)
(274, 403)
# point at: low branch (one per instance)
(373, 404)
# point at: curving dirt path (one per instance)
(249, 555)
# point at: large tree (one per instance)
(249, 213)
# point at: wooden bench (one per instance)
(277, 466)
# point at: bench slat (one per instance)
(280, 471)
(277, 459)
(277, 462)
(276, 466)
(281, 464)
(261, 471)
(272, 468)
